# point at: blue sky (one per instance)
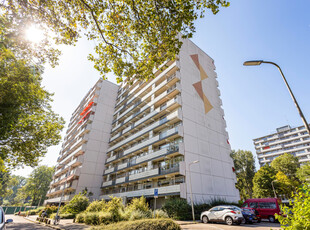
(255, 99)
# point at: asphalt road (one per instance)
(256, 226)
(21, 223)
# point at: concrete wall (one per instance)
(205, 136)
(96, 147)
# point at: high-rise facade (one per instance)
(295, 141)
(131, 139)
(160, 126)
(81, 160)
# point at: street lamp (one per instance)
(274, 191)
(190, 186)
(62, 194)
(258, 62)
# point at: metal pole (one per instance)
(190, 186)
(306, 124)
(274, 191)
(154, 207)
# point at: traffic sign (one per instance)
(156, 192)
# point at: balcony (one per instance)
(144, 174)
(111, 158)
(109, 170)
(122, 166)
(169, 117)
(120, 180)
(162, 191)
(107, 183)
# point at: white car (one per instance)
(2, 220)
(224, 213)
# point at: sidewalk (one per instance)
(63, 225)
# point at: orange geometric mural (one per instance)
(198, 85)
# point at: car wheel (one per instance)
(205, 219)
(271, 219)
(229, 220)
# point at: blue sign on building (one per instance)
(156, 192)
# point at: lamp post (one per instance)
(258, 62)
(190, 186)
(62, 194)
(274, 191)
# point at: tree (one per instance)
(245, 170)
(286, 163)
(303, 173)
(28, 126)
(14, 184)
(77, 204)
(285, 186)
(133, 37)
(38, 184)
(262, 182)
(297, 216)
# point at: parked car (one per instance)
(266, 207)
(3, 223)
(251, 215)
(228, 214)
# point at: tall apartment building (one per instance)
(159, 127)
(295, 141)
(85, 145)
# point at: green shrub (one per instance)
(138, 215)
(96, 206)
(91, 218)
(177, 208)
(80, 217)
(105, 218)
(160, 214)
(149, 224)
(138, 204)
(49, 210)
(63, 216)
(78, 204)
(115, 207)
(298, 215)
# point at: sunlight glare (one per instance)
(34, 34)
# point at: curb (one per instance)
(47, 225)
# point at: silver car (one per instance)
(2, 220)
(228, 214)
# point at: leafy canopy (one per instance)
(28, 126)
(245, 170)
(297, 216)
(286, 163)
(37, 184)
(133, 37)
(262, 182)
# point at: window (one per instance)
(268, 205)
(253, 205)
(245, 205)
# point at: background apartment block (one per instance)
(162, 125)
(85, 144)
(295, 141)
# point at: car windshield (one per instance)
(235, 208)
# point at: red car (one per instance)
(266, 207)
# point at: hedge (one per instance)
(145, 224)
(63, 216)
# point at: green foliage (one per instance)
(286, 163)
(160, 214)
(303, 173)
(132, 37)
(77, 204)
(37, 184)
(284, 185)
(114, 207)
(49, 210)
(177, 209)
(138, 204)
(262, 182)
(96, 206)
(148, 224)
(297, 216)
(245, 170)
(28, 126)
(63, 216)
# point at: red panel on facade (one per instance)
(266, 147)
